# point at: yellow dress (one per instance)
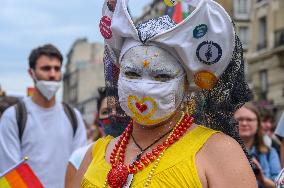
(176, 168)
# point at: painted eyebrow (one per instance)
(163, 71)
(132, 67)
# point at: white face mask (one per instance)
(150, 102)
(48, 88)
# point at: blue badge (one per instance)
(209, 52)
(200, 31)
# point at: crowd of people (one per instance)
(150, 129)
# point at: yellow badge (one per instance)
(205, 79)
(171, 3)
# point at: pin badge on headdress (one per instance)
(205, 79)
(105, 24)
(209, 52)
(200, 31)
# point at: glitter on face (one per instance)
(161, 66)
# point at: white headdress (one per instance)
(204, 42)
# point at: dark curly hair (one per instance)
(47, 50)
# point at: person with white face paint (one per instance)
(44, 132)
(175, 138)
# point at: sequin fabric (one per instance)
(216, 107)
(111, 78)
(152, 27)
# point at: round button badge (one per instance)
(105, 30)
(205, 79)
(171, 3)
(200, 31)
(209, 52)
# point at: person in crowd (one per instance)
(39, 127)
(106, 122)
(268, 128)
(266, 160)
(279, 131)
(164, 144)
(92, 132)
(6, 102)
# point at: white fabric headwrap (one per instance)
(182, 39)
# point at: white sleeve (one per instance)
(80, 138)
(10, 149)
(280, 126)
(78, 156)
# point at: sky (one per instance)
(26, 24)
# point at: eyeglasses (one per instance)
(249, 120)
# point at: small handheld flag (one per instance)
(20, 176)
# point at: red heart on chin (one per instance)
(141, 107)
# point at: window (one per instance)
(73, 79)
(263, 84)
(242, 9)
(279, 37)
(262, 33)
(244, 36)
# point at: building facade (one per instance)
(266, 51)
(240, 12)
(83, 75)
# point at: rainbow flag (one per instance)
(20, 176)
(180, 11)
(30, 91)
(178, 14)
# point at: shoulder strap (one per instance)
(70, 112)
(268, 154)
(21, 117)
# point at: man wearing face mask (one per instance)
(47, 136)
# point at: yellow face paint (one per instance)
(146, 64)
(144, 118)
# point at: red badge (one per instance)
(105, 30)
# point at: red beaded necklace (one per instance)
(117, 176)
